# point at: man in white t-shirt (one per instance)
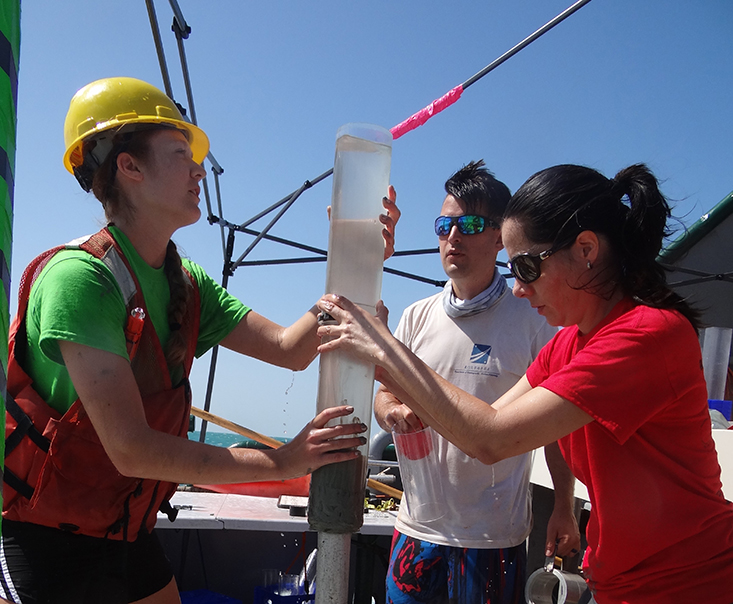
(480, 337)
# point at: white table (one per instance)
(217, 511)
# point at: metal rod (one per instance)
(334, 554)
(288, 242)
(704, 276)
(220, 209)
(215, 350)
(207, 197)
(280, 261)
(159, 48)
(388, 270)
(181, 30)
(184, 70)
(272, 223)
(209, 390)
(528, 40)
(418, 252)
(681, 269)
(215, 167)
(383, 463)
(179, 19)
(435, 282)
(707, 279)
(306, 185)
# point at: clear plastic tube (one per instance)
(354, 270)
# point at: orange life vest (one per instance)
(57, 472)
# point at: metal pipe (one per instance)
(528, 40)
(215, 350)
(159, 48)
(306, 185)
(334, 553)
(178, 19)
(220, 209)
(272, 223)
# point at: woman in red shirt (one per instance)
(621, 387)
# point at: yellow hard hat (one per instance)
(113, 102)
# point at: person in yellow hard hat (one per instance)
(100, 352)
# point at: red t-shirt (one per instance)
(660, 528)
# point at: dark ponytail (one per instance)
(556, 204)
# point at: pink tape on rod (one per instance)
(422, 116)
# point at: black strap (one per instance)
(25, 426)
(16, 437)
(123, 522)
(144, 520)
(23, 488)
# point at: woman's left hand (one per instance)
(356, 331)
(319, 443)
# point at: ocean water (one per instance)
(219, 439)
(227, 439)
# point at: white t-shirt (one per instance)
(487, 506)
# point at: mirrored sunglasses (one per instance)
(468, 224)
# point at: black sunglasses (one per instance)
(526, 267)
(468, 224)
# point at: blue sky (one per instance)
(619, 82)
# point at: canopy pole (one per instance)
(528, 40)
(419, 118)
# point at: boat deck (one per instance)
(222, 542)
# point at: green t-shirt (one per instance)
(76, 298)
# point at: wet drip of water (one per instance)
(285, 410)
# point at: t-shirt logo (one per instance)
(480, 354)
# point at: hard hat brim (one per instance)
(196, 136)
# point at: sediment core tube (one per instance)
(354, 270)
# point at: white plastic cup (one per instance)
(556, 587)
(269, 577)
(288, 585)
(417, 454)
